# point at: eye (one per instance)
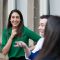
(42, 24)
(13, 17)
(17, 17)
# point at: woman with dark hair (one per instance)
(51, 45)
(15, 32)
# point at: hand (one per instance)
(14, 32)
(20, 44)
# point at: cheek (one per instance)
(11, 21)
(43, 27)
(18, 20)
(39, 27)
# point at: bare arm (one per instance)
(27, 51)
(5, 50)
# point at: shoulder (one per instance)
(27, 30)
(6, 30)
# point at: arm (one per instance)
(38, 45)
(32, 35)
(27, 52)
(6, 48)
(0, 42)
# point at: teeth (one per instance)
(15, 22)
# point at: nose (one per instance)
(15, 19)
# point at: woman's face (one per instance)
(15, 19)
(42, 25)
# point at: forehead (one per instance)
(43, 20)
(14, 14)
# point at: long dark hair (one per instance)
(51, 44)
(21, 22)
(21, 18)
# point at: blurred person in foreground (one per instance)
(51, 46)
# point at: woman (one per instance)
(15, 32)
(51, 45)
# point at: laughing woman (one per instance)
(16, 31)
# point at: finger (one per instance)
(16, 42)
(16, 45)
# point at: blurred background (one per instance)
(31, 10)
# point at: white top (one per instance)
(38, 45)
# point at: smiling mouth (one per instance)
(15, 22)
(41, 30)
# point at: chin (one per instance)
(15, 26)
(41, 34)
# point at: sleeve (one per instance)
(4, 38)
(33, 55)
(32, 35)
(38, 45)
